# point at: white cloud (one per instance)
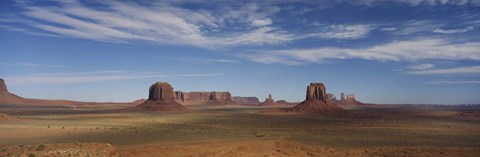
(415, 26)
(456, 70)
(83, 77)
(420, 2)
(167, 23)
(450, 31)
(408, 50)
(213, 60)
(343, 31)
(123, 22)
(455, 82)
(389, 29)
(264, 22)
(421, 66)
(438, 2)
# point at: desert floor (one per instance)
(363, 131)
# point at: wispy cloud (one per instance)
(455, 82)
(222, 26)
(122, 22)
(420, 2)
(389, 29)
(213, 60)
(421, 66)
(416, 26)
(83, 77)
(33, 65)
(407, 50)
(342, 31)
(456, 70)
(450, 31)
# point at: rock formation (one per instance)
(246, 100)
(203, 98)
(8, 99)
(286, 103)
(3, 86)
(342, 96)
(316, 101)
(351, 97)
(331, 97)
(161, 98)
(350, 100)
(268, 101)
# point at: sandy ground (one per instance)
(364, 131)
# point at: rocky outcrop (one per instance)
(316, 101)
(3, 86)
(203, 98)
(161, 98)
(246, 100)
(268, 101)
(286, 103)
(342, 96)
(7, 98)
(331, 97)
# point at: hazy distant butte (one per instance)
(9, 99)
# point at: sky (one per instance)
(383, 51)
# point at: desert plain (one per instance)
(381, 130)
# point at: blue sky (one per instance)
(384, 51)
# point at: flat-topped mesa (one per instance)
(203, 98)
(161, 98)
(316, 101)
(3, 86)
(316, 91)
(246, 100)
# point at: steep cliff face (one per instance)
(316, 101)
(3, 86)
(203, 98)
(161, 98)
(316, 91)
(245, 100)
(161, 91)
(7, 98)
